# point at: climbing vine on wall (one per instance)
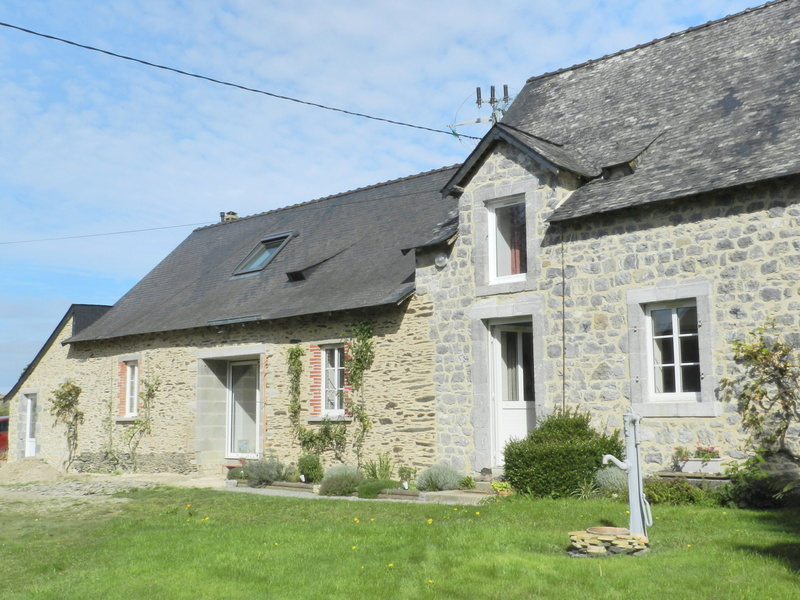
(767, 388)
(332, 435)
(359, 355)
(143, 423)
(64, 407)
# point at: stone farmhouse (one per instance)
(601, 248)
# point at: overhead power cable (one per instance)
(234, 85)
(88, 235)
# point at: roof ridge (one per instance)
(332, 196)
(655, 41)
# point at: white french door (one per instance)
(243, 438)
(512, 384)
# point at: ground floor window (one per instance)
(674, 349)
(334, 380)
(671, 341)
(30, 412)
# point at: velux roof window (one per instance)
(262, 254)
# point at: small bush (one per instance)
(466, 483)
(750, 486)
(341, 480)
(406, 473)
(558, 457)
(612, 481)
(260, 473)
(237, 473)
(380, 469)
(371, 488)
(439, 477)
(675, 491)
(310, 465)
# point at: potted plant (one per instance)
(406, 474)
(502, 488)
(700, 459)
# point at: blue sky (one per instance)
(92, 144)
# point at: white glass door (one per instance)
(243, 439)
(513, 391)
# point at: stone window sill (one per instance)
(678, 409)
(332, 418)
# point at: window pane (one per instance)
(244, 408)
(260, 255)
(508, 341)
(664, 380)
(511, 245)
(690, 351)
(334, 378)
(663, 351)
(662, 321)
(527, 366)
(691, 378)
(687, 319)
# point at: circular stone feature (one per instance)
(608, 531)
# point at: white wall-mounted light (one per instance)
(441, 260)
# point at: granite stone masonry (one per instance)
(188, 418)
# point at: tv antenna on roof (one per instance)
(499, 108)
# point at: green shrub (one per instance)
(558, 457)
(341, 480)
(380, 469)
(237, 473)
(612, 481)
(675, 491)
(310, 466)
(750, 486)
(439, 477)
(260, 473)
(406, 473)
(371, 488)
(466, 483)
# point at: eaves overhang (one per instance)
(550, 155)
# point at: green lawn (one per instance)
(185, 543)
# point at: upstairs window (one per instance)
(262, 254)
(508, 247)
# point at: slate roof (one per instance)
(709, 108)
(347, 247)
(83, 315)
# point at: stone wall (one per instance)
(188, 417)
(741, 249)
(51, 444)
(744, 244)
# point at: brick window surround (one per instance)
(317, 410)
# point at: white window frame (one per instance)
(131, 388)
(676, 366)
(338, 392)
(492, 207)
(499, 367)
(230, 452)
(645, 401)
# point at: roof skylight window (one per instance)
(262, 254)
